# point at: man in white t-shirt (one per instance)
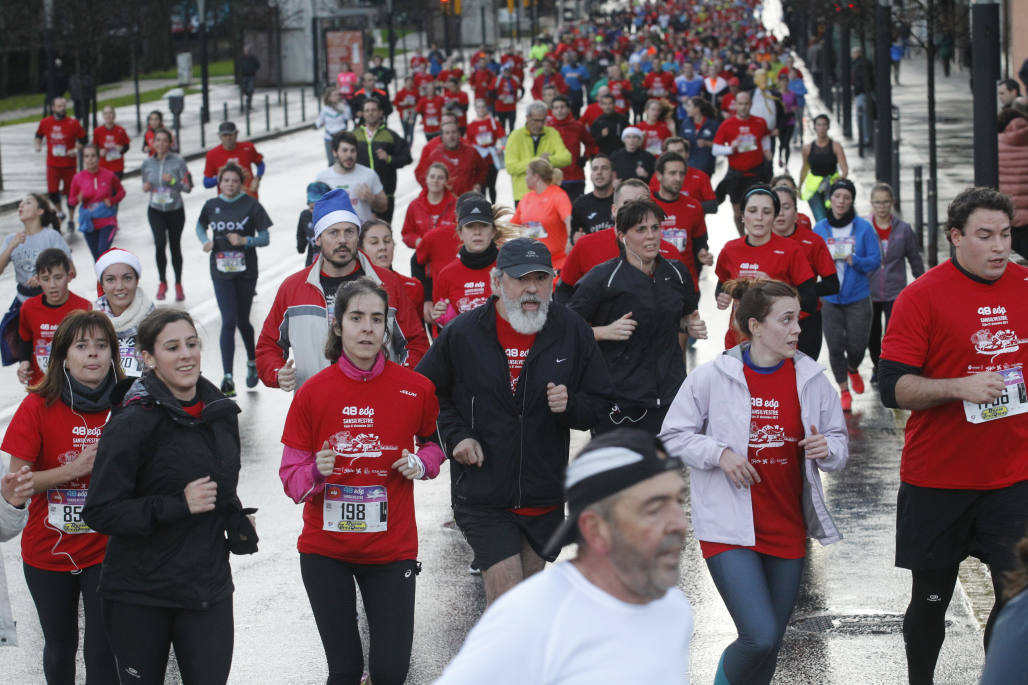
(614, 613)
(360, 183)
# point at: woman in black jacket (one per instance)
(637, 304)
(164, 490)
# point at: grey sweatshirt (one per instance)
(891, 277)
(167, 197)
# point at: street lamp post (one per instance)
(984, 75)
(883, 137)
(205, 114)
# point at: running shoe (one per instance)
(71, 226)
(847, 400)
(228, 387)
(874, 377)
(162, 290)
(856, 382)
(251, 374)
(179, 293)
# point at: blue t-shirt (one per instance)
(574, 76)
(689, 87)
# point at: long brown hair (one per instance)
(754, 298)
(75, 325)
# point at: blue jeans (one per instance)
(759, 592)
(817, 206)
(99, 240)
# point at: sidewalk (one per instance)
(954, 139)
(23, 169)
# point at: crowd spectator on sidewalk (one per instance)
(862, 81)
(1013, 169)
(80, 88)
(64, 137)
(249, 65)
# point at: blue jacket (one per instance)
(867, 257)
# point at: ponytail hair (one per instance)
(754, 298)
(49, 217)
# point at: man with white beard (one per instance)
(513, 377)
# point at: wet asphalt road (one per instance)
(276, 639)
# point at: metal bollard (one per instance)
(896, 171)
(933, 229)
(224, 111)
(919, 205)
(285, 109)
(267, 112)
(240, 100)
(247, 122)
(303, 105)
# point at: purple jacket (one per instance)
(891, 277)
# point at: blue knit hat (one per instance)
(333, 207)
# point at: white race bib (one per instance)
(534, 229)
(65, 511)
(485, 138)
(1012, 402)
(161, 195)
(230, 262)
(747, 143)
(113, 153)
(431, 121)
(841, 248)
(355, 508)
(59, 151)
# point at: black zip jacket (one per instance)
(525, 444)
(158, 553)
(648, 367)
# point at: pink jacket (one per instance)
(299, 472)
(90, 189)
(1013, 167)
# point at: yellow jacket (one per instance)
(520, 151)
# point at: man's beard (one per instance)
(525, 323)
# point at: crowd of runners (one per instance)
(511, 327)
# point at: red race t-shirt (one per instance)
(516, 346)
(506, 90)
(484, 132)
(55, 537)
(803, 221)
(883, 233)
(683, 222)
(61, 136)
(776, 426)
(430, 109)
(620, 89)
(599, 247)
(659, 85)
(111, 141)
(696, 185)
(244, 155)
(750, 134)
(365, 514)
(779, 258)
(654, 136)
(405, 101)
(816, 251)
(438, 249)
(460, 99)
(951, 326)
(465, 288)
(37, 323)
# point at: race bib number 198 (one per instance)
(1012, 402)
(355, 508)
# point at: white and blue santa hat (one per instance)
(334, 207)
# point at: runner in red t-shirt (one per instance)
(54, 433)
(64, 138)
(787, 225)
(113, 142)
(955, 354)
(430, 108)
(658, 83)
(762, 254)
(465, 283)
(349, 456)
(456, 99)
(405, 102)
(244, 155)
(506, 91)
(683, 225)
(746, 141)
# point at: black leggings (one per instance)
(142, 635)
(874, 340)
(784, 142)
(811, 336)
(924, 624)
(490, 182)
(56, 595)
(167, 231)
(388, 594)
(507, 120)
(235, 297)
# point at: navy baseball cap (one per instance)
(610, 463)
(523, 256)
(472, 207)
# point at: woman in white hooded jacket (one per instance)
(755, 426)
(15, 490)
